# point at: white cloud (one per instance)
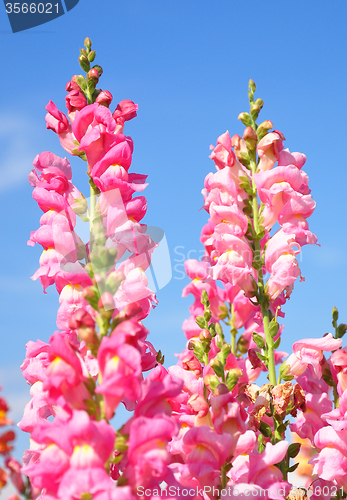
(17, 150)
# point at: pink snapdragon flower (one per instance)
(309, 353)
(58, 122)
(338, 362)
(120, 367)
(269, 148)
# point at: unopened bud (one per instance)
(91, 56)
(121, 443)
(81, 318)
(105, 98)
(191, 363)
(223, 311)
(242, 345)
(84, 63)
(212, 382)
(130, 311)
(93, 74)
(98, 69)
(217, 367)
(250, 137)
(91, 296)
(225, 351)
(106, 301)
(114, 279)
(245, 119)
(87, 334)
(252, 85)
(221, 389)
(87, 43)
(81, 81)
(205, 336)
(263, 128)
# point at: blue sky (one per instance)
(187, 64)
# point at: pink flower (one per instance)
(228, 417)
(331, 462)
(58, 122)
(126, 110)
(205, 453)
(337, 418)
(147, 453)
(338, 361)
(66, 375)
(309, 352)
(269, 148)
(120, 367)
(307, 424)
(222, 154)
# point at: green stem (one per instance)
(92, 210)
(262, 299)
(233, 330)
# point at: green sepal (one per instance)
(201, 322)
(258, 340)
(160, 357)
(274, 327)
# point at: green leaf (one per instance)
(293, 467)
(261, 356)
(293, 450)
(265, 429)
(341, 330)
(277, 343)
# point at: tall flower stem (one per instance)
(93, 199)
(262, 299)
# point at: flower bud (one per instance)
(87, 43)
(212, 382)
(93, 74)
(104, 98)
(98, 69)
(130, 311)
(250, 138)
(84, 63)
(223, 312)
(191, 363)
(106, 301)
(221, 389)
(81, 318)
(205, 336)
(80, 81)
(91, 56)
(114, 279)
(217, 367)
(251, 85)
(91, 296)
(245, 118)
